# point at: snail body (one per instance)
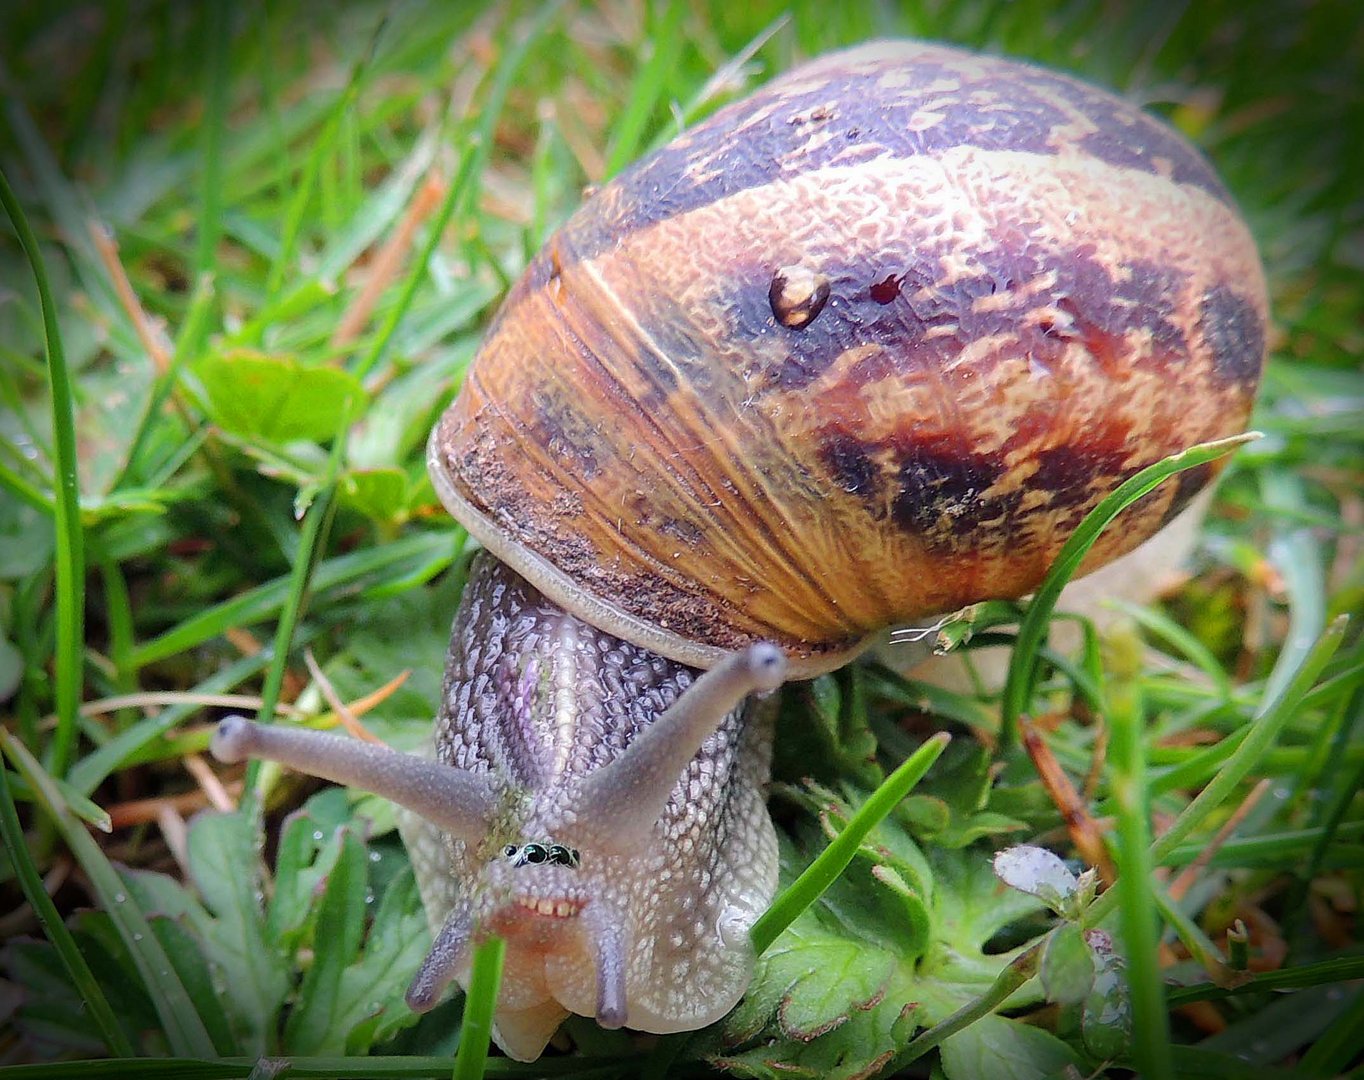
(863, 347)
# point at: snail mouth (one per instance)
(560, 908)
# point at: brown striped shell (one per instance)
(863, 347)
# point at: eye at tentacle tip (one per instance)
(234, 740)
(767, 665)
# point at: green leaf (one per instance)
(175, 1012)
(823, 731)
(1067, 969)
(313, 1026)
(371, 1003)
(26, 540)
(276, 398)
(949, 807)
(1004, 1049)
(379, 494)
(302, 863)
(223, 863)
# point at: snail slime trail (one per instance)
(700, 467)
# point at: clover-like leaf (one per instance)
(276, 398)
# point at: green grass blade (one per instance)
(832, 861)
(663, 48)
(1137, 911)
(1270, 719)
(312, 537)
(464, 188)
(185, 1031)
(70, 554)
(1019, 970)
(484, 982)
(1032, 630)
(322, 148)
(217, 29)
(407, 1067)
(1174, 635)
(265, 601)
(1336, 969)
(53, 926)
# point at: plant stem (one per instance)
(1022, 968)
(70, 553)
(832, 861)
(479, 1006)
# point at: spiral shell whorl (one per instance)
(1034, 290)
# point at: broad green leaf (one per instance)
(949, 808)
(379, 494)
(307, 852)
(371, 1005)
(51, 1013)
(1003, 1049)
(184, 1030)
(26, 539)
(1067, 968)
(823, 732)
(276, 398)
(223, 862)
(313, 1026)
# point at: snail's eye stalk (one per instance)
(459, 802)
(620, 802)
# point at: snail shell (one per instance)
(863, 347)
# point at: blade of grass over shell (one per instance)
(1032, 630)
(185, 1031)
(833, 860)
(70, 553)
(1137, 911)
(53, 927)
(462, 192)
(485, 979)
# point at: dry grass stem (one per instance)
(153, 340)
(387, 264)
(1190, 874)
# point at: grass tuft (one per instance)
(319, 209)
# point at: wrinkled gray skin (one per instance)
(540, 740)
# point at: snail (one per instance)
(861, 348)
